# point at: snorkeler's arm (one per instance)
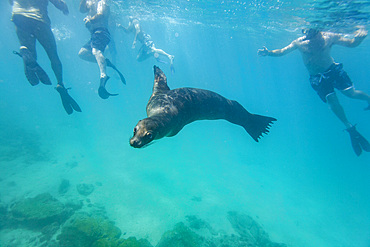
(61, 5)
(278, 52)
(127, 29)
(101, 12)
(83, 7)
(340, 39)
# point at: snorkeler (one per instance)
(325, 74)
(147, 48)
(32, 23)
(97, 23)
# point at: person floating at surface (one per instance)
(96, 22)
(32, 23)
(147, 48)
(325, 74)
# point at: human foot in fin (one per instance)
(359, 142)
(110, 64)
(32, 69)
(68, 102)
(103, 93)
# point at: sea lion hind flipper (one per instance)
(258, 125)
(160, 81)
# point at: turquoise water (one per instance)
(302, 182)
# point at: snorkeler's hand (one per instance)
(361, 33)
(87, 20)
(133, 44)
(263, 52)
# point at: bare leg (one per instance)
(28, 40)
(101, 62)
(338, 109)
(86, 55)
(357, 94)
(162, 52)
(46, 38)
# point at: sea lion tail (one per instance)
(258, 125)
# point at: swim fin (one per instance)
(110, 64)
(172, 68)
(103, 93)
(160, 60)
(32, 69)
(68, 102)
(359, 142)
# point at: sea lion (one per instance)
(169, 111)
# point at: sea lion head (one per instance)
(144, 133)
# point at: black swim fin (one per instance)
(358, 142)
(110, 64)
(68, 102)
(103, 93)
(32, 69)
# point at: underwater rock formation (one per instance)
(38, 212)
(85, 189)
(64, 186)
(196, 223)
(133, 242)
(250, 231)
(84, 230)
(182, 236)
(3, 215)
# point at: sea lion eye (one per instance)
(149, 135)
(135, 129)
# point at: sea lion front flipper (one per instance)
(160, 81)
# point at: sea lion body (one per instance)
(169, 111)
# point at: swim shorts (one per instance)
(100, 38)
(148, 43)
(335, 77)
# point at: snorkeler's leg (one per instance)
(357, 94)
(86, 54)
(46, 38)
(102, 91)
(358, 142)
(32, 69)
(337, 109)
(162, 52)
(101, 61)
